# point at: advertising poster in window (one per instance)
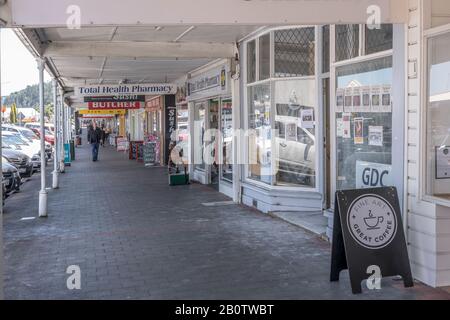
(348, 100)
(346, 132)
(365, 104)
(340, 100)
(357, 99)
(376, 98)
(386, 103)
(291, 131)
(359, 131)
(376, 136)
(307, 119)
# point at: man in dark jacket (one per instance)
(95, 135)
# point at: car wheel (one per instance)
(17, 185)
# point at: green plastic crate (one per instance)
(178, 179)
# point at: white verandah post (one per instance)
(43, 192)
(55, 183)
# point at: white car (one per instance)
(15, 141)
(29, 136)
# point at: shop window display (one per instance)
(259, 139)
(364, 124)
(438, 119)
(281, 111)
(295, 152)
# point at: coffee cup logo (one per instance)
(372, 221)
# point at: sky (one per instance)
(18, 68)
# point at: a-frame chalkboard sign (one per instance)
(368, 231)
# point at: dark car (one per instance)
(20, 160)
(11, 177)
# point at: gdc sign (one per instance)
(371, 175)
(368, 232)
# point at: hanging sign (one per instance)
(102, 112)
(115, 105)
(368, 234)
(117, 98)
(126, 89)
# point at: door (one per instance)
(213, 127)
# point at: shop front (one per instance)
(323, 111)
(153, 130)
(211, 129)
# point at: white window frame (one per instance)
(271, 80)
(424, 196)
(333, 66)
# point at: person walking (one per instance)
(103, 135)
(95, 136)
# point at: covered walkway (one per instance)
(135, 237)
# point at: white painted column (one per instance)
(61, 133)
(43, 192)
(237, 138)
(55, 182)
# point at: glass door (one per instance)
(199, 132)
(213, 143)
(226, 129)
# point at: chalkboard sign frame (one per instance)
(355, 252)
(146, 146)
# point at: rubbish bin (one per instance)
(72, 150)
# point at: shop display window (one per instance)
(438, 119)
(259, 136)
(295, 146)
(364, 124)
(282, 110)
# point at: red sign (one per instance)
(114, 105)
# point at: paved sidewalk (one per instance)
(134, 237)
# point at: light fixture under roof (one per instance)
(158, 28)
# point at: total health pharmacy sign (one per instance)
(126, 89)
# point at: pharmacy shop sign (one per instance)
(126, 89)
(368, 232)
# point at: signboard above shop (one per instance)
(102, 112)
(117, 98)
(126, 89)
(115, 105)
(210, 83)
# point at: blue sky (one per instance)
(19, 68)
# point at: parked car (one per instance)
(49, 139)
(14, 140)
(20, 160)
(30, 137)
(11, 176)
(36, 125)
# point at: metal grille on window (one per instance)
(294, 52)
(378, 40)
(326, 49)
(347, 41)
(251, 61)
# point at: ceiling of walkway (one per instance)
(93, 55)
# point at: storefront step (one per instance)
(314, 222)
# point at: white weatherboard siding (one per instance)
(428, 223)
